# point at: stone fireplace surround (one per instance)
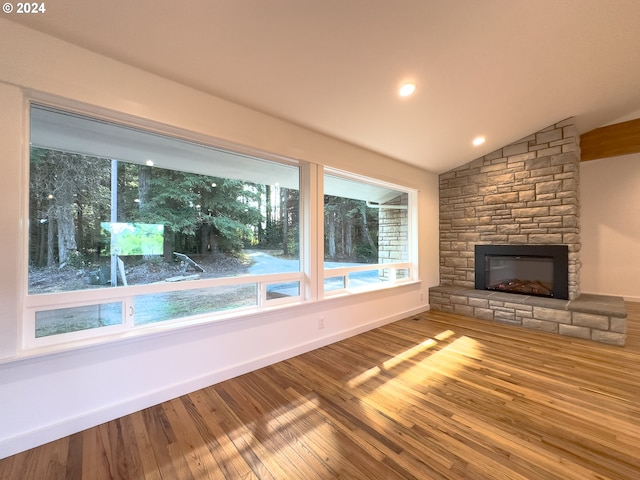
(524, 193)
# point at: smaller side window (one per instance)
(367, 241)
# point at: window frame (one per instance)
(310, 276)
(126, 295)
(412, 243)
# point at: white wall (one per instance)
(610, 226)
(45, 397)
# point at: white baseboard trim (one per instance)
(25, 441)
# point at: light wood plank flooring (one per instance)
(436, 396)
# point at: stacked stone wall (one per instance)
(524, 193)
(393, 228)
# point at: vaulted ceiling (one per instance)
(498, 68)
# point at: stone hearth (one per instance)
(593, 317)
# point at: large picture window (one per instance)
(131, 228)
(112, 206)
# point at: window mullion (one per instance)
(311, 226)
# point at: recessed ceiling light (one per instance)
(478, 141)
(407, 89)
(149, 163)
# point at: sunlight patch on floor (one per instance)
(292, 412)
(444, 335)
(445, 361)
(391, 388)
(408, 354)
(363, 377)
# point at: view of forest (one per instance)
(75, 198)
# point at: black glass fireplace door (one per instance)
(540, 270)
(529, 275)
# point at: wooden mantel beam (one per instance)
(611, 141)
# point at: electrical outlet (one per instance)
(320, 323)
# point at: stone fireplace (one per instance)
(524, 194)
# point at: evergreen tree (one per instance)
(62, 186)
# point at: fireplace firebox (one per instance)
(541, 270)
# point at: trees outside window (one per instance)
(351, 230)
(115, 206)
(365, 223)
(154, 228)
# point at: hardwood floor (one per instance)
(435, 396)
